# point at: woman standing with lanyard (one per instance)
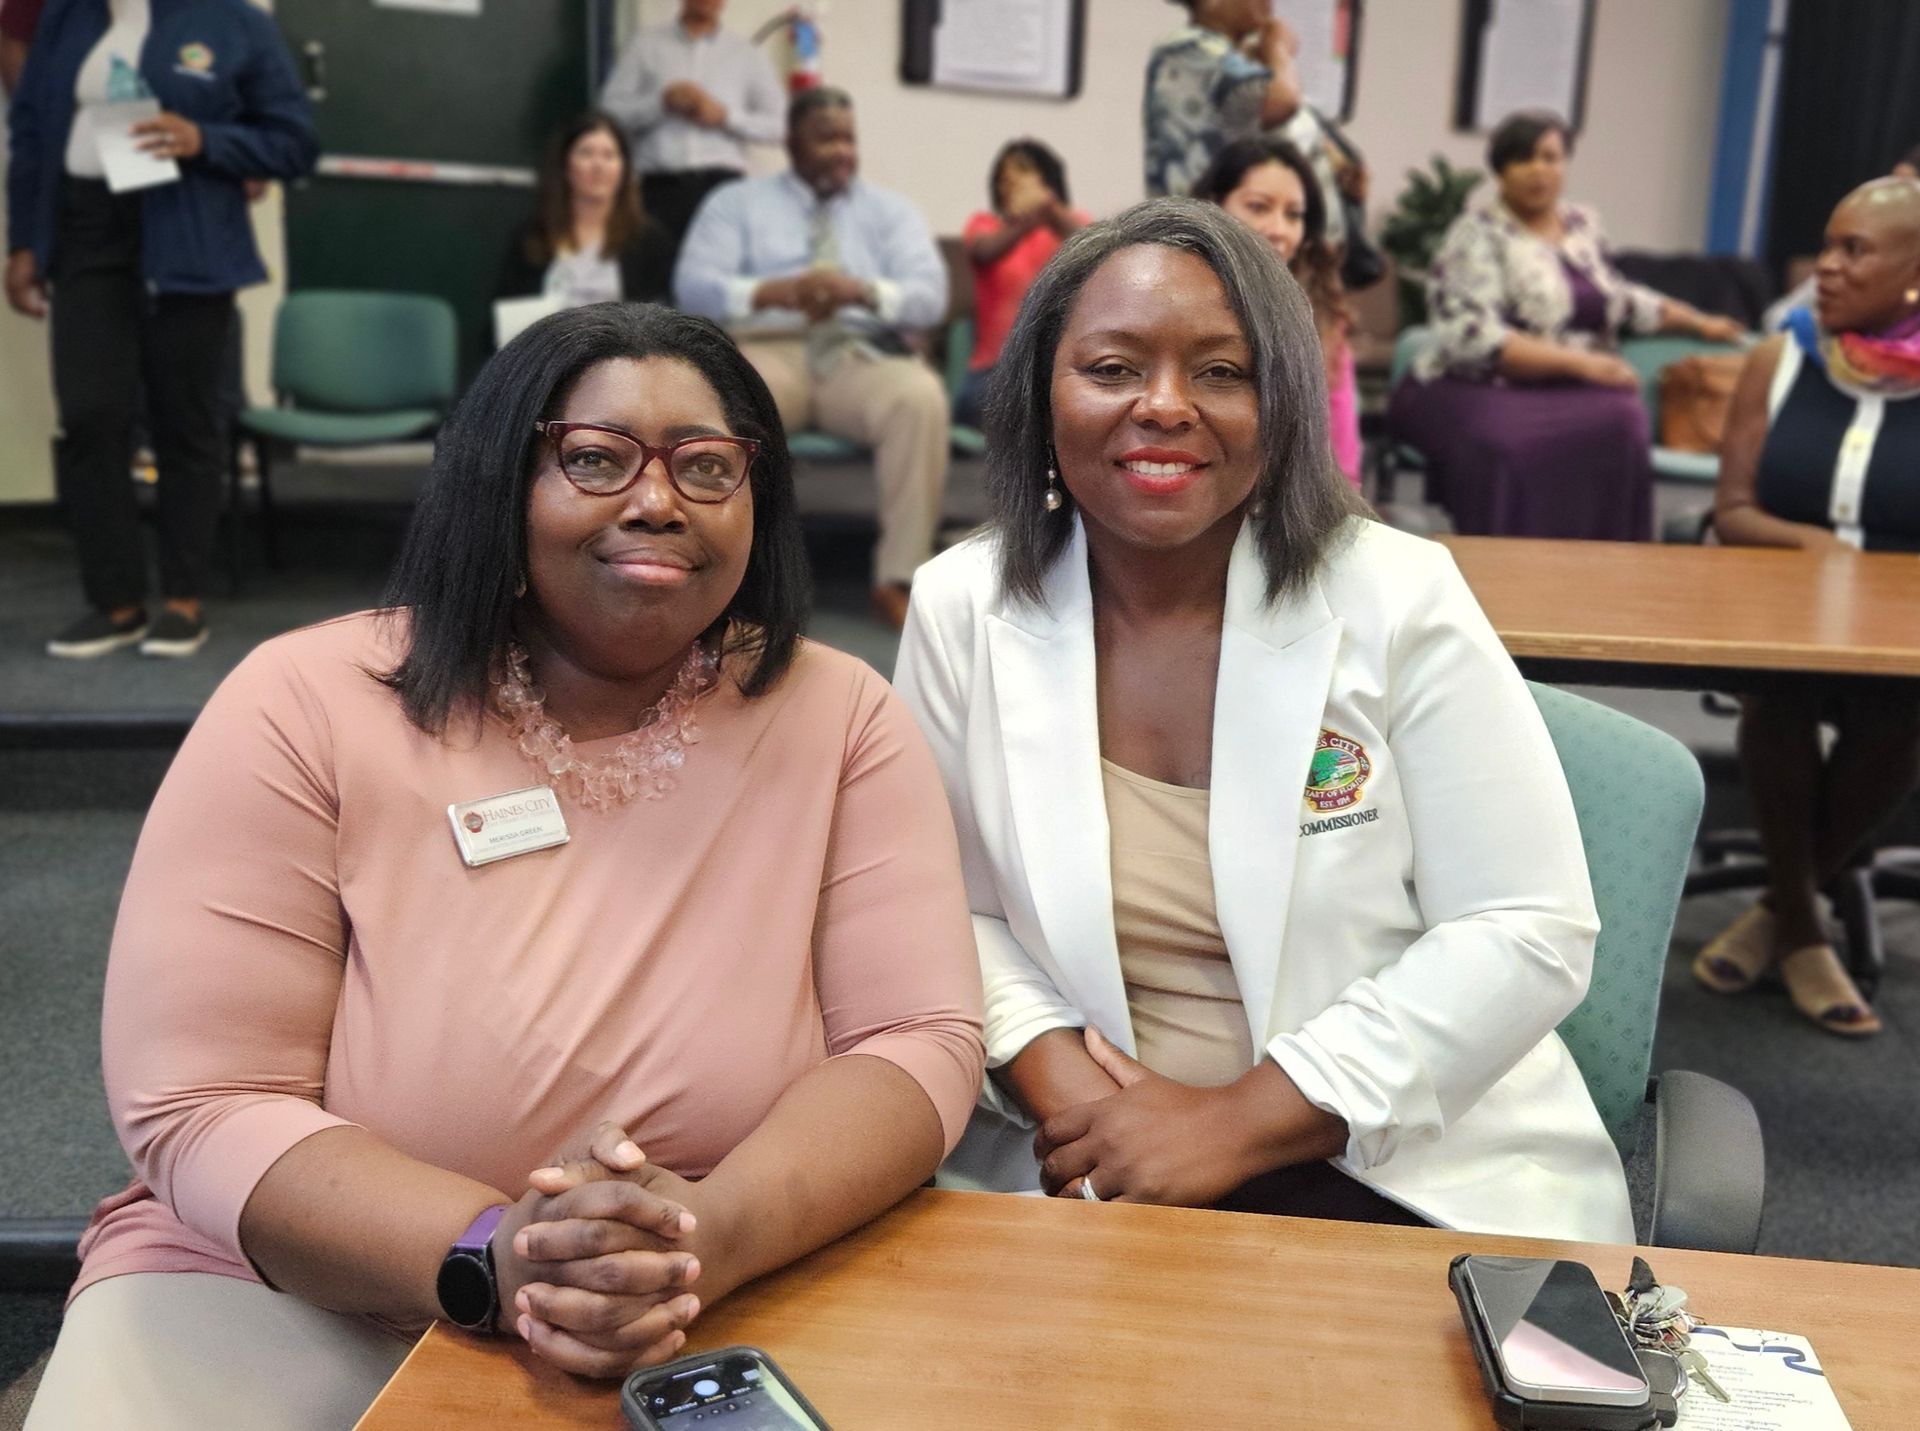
(143, 279)
(1821, 452)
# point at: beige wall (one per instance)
(1645, 158)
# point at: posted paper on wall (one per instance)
(1774, 1379)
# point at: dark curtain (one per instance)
(1849, 107)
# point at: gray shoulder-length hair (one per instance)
(1300, 500)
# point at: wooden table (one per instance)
(1685, 617)
(983, 1311)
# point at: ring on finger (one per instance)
(1086, 1189)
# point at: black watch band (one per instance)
(469, 1295)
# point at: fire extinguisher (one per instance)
(802, 26)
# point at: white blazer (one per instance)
(1405, 935)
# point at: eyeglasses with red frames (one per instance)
(604, 461)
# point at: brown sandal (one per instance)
(1821, 989)
(1738, 955)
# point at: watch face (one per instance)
(466, 1290)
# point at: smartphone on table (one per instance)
(1551, 1351)
(733, 1389)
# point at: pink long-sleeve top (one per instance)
(300, 945)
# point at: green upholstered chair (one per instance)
(967, 441)
(350, 369)
(1650, 358)
(1637, 793)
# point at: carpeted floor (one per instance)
(1842, 1122)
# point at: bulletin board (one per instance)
(1031, 48)
(1522, 54)
(1329, 57)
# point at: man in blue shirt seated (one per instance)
(820, 278)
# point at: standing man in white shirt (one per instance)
(692, 97)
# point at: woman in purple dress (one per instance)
(1529, 419)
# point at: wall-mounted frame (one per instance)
(1032, 48)
(1522, 54)
(1329, 58)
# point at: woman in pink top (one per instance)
(1007, 248)
(1269, 186)
(431, 895)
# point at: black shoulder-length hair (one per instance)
(1300, 500)
(465, 556)
(1234, 161)
(1516, 137)
(1051, 168)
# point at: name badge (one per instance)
(516, 823)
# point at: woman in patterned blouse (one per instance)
(1530, 420)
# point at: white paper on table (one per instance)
(1774, 1379)
(128, 167)
(513, 316)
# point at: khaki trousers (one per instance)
(190, 1351)
(896, 406)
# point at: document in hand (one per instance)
(127, 166)
(1774, 1380)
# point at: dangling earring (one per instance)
(520, 588)
(1913, 295)
(1053, 501)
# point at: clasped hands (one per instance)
(597, 1262)
(689, 101)
(818, 292)
(1155, 1139)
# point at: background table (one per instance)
(1690, 618)
(985, 1311)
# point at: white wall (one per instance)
(1645, 157)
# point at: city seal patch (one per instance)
(1338, 774)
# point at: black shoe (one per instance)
(175, 634)
(97, 633)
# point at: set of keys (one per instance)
(1656, 1321)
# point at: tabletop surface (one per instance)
(983, 1310)
(1759, 608)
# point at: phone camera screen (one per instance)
(734, 1393)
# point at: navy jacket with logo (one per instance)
(219, 63)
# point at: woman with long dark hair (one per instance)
(575, 847)
(590, 242)
(1269, 186)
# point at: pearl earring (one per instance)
(520, 587)
(1053, 501)
(1913, 295)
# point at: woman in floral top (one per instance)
(1530, 420)
(1227, 74)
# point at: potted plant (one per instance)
(1419, 222)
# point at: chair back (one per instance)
(1637, 793)
(1408, 346)
(340, 351)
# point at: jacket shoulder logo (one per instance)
(196, 57)
(1339, 772)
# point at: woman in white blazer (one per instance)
(1245, 786)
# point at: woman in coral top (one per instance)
(1007, 248)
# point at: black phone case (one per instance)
(638, 1417)
(1517, 1413)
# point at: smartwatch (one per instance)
(469, 1296)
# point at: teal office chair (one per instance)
(350, 370)
(1637, 793)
